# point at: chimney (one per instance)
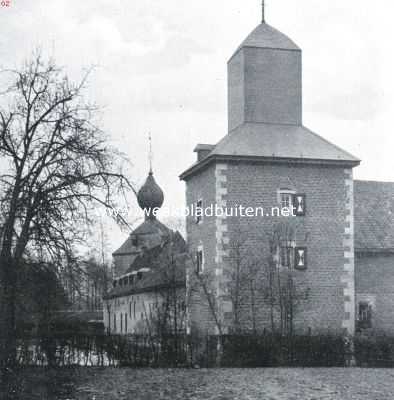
(203, 150)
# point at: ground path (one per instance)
(212, 384)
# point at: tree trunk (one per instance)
(253, 305)
(7, 313)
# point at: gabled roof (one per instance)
(161, 266)
(374, 216)
(151, 232)
(275, 142)
(152, 258)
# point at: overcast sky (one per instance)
(161, 67)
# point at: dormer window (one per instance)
(135, 241)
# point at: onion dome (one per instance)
(150, 196)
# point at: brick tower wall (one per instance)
(326, 231)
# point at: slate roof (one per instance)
(156, 271)
(275, 142)
(265, 36)
(151, 231)
(374, 216)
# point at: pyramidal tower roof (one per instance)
(265, 121)
(265, 36)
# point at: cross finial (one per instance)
(150, 154)
(263, 11)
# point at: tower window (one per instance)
(295, 202)
(299, 204)
(199, 211)
(301, 262)
(199, 261)
(286, 200)
(286, 256)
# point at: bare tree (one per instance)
(244, 280)
(56, 167)
(282, 292)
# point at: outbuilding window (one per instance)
(364, 315)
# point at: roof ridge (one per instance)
(373, 181)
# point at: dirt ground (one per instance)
(203, 384)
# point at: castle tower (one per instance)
(268, 159)
(264, 80)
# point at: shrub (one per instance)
(374, 350)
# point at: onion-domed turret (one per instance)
(150, 196)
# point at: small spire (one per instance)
(150, 155)
(263, 11)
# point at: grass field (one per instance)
(204, 384)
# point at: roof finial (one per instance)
(263, 11)
(150, 154)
